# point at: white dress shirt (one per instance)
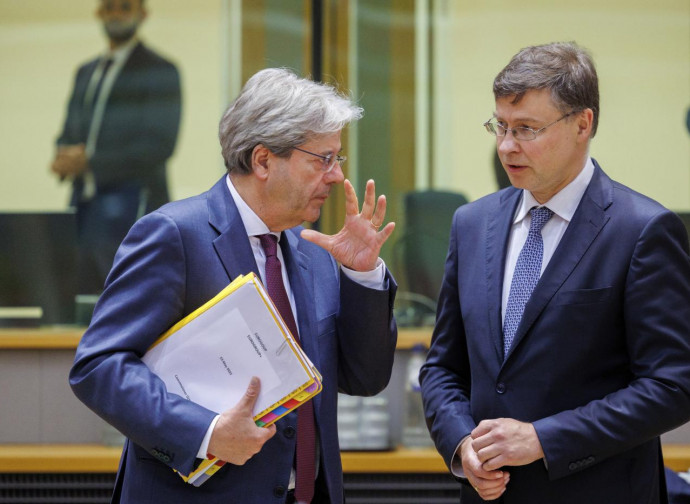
(563, 205)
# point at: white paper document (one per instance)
(210, 356)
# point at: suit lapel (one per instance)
(498, 232)
(298, 266)
(588, 221)
(232, 244)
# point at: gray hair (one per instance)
(564, 68)
(280, 111)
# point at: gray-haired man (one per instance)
(281, 145)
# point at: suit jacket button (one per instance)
(500, 387)
(289, 432)
(279, 491)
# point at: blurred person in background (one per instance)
(121, 127)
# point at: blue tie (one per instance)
(526, 275)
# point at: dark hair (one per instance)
(141, 2)
(564, 68)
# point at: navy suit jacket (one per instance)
(139, 127)
(600, 363)
(172, 261)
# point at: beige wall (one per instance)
(640, 48)
(643, 59)
(43, 42)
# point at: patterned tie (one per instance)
(306, 437)
(526, 275)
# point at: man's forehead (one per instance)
(531, 105)
(113, 4)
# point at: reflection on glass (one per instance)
(121, 127)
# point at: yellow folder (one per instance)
(210, 356)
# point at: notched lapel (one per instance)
(498, 231)
(232, 244)
(588, 221)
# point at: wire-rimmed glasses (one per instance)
(521, 133)
(328, 161)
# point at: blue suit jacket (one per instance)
(600, 363)
(172, 261)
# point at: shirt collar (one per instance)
(120, 55)
(252, 222)
(564, 202)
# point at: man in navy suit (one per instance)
(121, 127)
(559, 395)
(280, 141)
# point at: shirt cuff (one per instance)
(373, 279)
(203, 449)
(456, 462)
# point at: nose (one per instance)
(335, 176)
(507, 143)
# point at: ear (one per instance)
(261, 158)
(584, 120)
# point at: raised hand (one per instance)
(358, 243)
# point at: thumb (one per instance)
(251, 395)
(316, 238)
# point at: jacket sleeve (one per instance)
(367, 336)
(445, 377)
(144, 296)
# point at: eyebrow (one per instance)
(521, 119)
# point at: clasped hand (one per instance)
(70, 161)
(494, 444)
(358, 243)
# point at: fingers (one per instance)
(251, 395)
(491, 489)
(380, 213)
(385, 233)
(351, 202)
(316, 238)
(488, 484)
(369, 200)
(236, 438)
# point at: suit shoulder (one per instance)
(184, 209)
(636, 200)
(153, 57)
(483, 205)
(637, 212)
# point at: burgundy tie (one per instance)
(306, 438)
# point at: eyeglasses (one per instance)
(328, 161)
(522, 133)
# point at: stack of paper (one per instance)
(210, 356)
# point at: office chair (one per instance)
(420, 253)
